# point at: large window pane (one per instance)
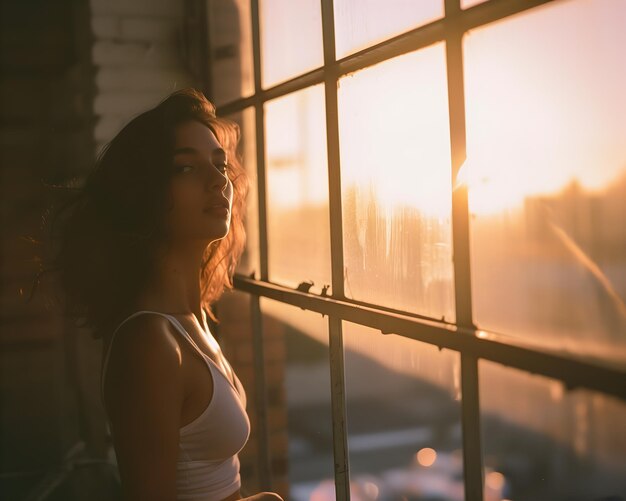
(249, 261)
(230, 41)
(541, 442)
(546, 170)
(361, 23)
(396, 188)
(297, 189)
(307, 383)
(291, 39)
(404, 423)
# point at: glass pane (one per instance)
(361, 23)
(250, 260)
(540, 442)
(307, 384)
(396, 184)
(297, 189)
(291, 39)
(465, 4)
(230, 40)
(546, 171)
(404, 422)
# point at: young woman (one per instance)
(147, 244)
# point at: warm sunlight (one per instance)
(301, 24)
(296, 153)
(526, 135)
(395, 145)
(490, 190)
(297, 188)
(393, 268)
(394, 132)
(361, 23)
(544, 103)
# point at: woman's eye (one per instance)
(181, 168)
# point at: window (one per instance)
(545, 144)
(297, 188)
(394, 138)
(445, 185)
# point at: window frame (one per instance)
(463, 336)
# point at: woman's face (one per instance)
(200, 181)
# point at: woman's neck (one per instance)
(174, 287)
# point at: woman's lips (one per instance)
(218, 210)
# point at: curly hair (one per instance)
(110, 224)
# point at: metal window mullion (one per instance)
(470, 404)
(332, 146)
(471, 429)
(338, 410)
(263, 457)
(335, 332)
(454, 26)
(594, 374)
(260, 388)
(493, 10)
(259, 117)
(423, 36)
(260, 141)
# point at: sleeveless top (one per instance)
(208, 462)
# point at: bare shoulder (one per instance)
(144, 340)
(143, 395)
(145, 351)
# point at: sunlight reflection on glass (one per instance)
(291, 39)
(569, 447)
(360, 23)
(297, 189)
(395, 169)
(546, 172)
(402, 404)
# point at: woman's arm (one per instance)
(144, 393)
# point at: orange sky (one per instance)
(544, 103)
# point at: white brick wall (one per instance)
(137, 57)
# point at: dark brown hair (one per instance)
(109, 226)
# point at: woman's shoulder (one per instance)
(144, 358)
(145, 342)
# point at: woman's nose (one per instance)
(216, 180)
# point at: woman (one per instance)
(147, 245)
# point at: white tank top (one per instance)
(208, 464)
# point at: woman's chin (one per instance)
(217, 233)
